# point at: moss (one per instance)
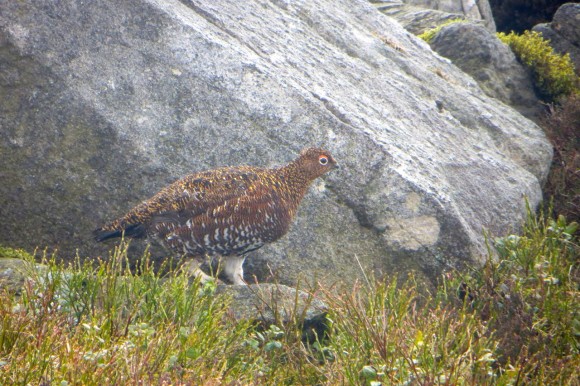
(554, 75)
(429, 34)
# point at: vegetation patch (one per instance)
(429, 34)
(514, 321)
(10, 253)
(554, 75)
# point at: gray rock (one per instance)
(566, 21)
(272, 304)
(479, 53)
(492, 64)
(415, 19)
(103, 103)
(564, 32)
(12, 274)
(476, 10)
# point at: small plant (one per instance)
(554, 74)
(429, 34)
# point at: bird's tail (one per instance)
(132, 230)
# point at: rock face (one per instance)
(492, 64)
(424, 12)
(103, 103)
(564, 32)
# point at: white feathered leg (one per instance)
(203, 277)
(234, 269)
(192, 268)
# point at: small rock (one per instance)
(276, 304)
(564, 32)
(491, 63)
(410, 12)
(12, 274)
(415, 19)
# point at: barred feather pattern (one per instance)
(226, 211)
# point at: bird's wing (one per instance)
(196, 194)
(187, 197)
(222, 228)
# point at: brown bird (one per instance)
(225, 212)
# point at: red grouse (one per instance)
(225, 212)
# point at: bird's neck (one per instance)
(296, 181)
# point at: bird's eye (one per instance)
(323, 160)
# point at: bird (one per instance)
(224, 213)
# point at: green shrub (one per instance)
(554, 75)
(429, 34)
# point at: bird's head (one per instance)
(315, 162)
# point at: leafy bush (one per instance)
(554, 75)
(104, 325)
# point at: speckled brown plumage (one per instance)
(224, 212)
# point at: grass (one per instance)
(514, 321)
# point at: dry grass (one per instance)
(515, 321)
(562, 126)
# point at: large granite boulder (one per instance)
(564, 32)
(105, 102)
(492, 64)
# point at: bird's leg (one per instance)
(204, 278)
(192, 268)
(234, 269)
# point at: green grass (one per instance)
(516, 320)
